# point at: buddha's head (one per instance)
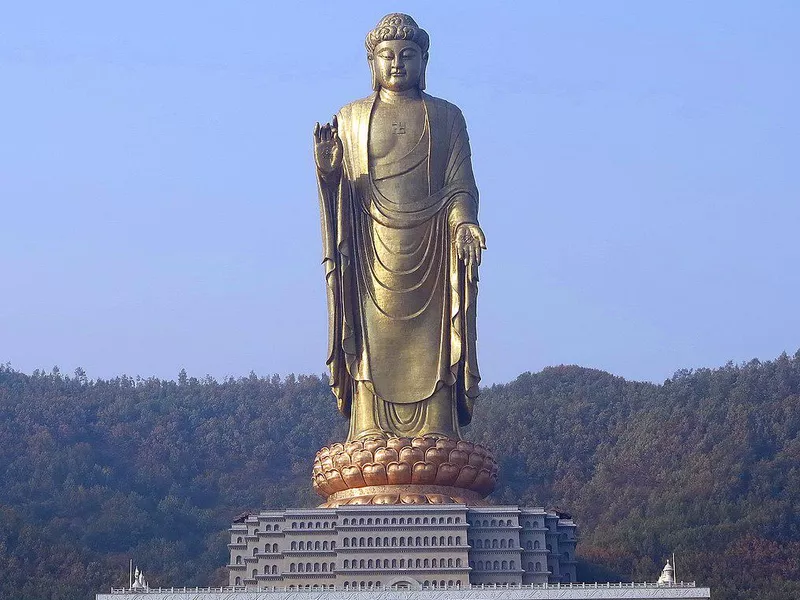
(397, 52)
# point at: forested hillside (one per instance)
(94, 472)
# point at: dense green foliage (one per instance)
(706, 465)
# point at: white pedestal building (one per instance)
(372, 547)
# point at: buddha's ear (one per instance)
(422, 73)
(371, 62)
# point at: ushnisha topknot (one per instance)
(397, 26)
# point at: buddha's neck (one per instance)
(391, 97)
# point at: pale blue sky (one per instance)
(638, 166)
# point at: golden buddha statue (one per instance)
(402, 246)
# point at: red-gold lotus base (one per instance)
(401, 470)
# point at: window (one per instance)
(292, 568)
(536, 545)
(478, 544)
(528, 545)
(324, 545)
(274, 569)
(458, 562)
(504, 565)
(449, 562)
(458, 540)
(238, 540)
(346, 543)
(434, 563)
(511, 543)
(538, 566)
(512, 565)
(449, 520)
(238, 560)
(502, 543)
(237, 581)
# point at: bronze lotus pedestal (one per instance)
(402, 470)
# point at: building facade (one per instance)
(373, 547)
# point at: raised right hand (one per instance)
(327, 147)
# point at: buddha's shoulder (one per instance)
(357, 106)
(441, 104)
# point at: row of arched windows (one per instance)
(311, 567)
(535, 545)
(387, 542)
(479, 544)
(534, 567)
(324, 545)
(369, 585)
(495, 566)
(402, 521)
(268, 548)
(401, 563)
(269, 527)
(310, 525)
(531, 524)
(492, 523)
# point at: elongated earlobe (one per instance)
(422, 74)
(375, 85)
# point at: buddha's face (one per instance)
(398, 64)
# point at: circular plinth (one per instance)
(398, 470)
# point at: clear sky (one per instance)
(638, 166)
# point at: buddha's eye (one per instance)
(408, 54)
(386, 55)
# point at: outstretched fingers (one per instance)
(316, 132)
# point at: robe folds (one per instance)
(401, 305)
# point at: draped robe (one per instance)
(401, 305)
